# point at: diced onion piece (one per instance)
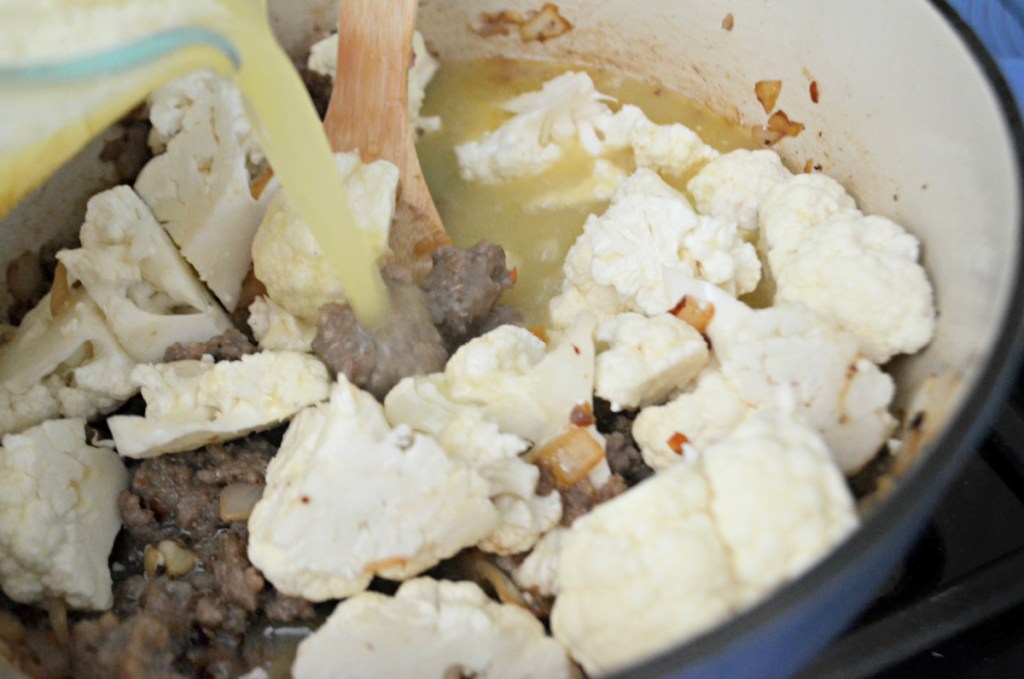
(767, 92)
(569, 457)
(692, 313)
(175, 559)
(544, 24)
(238, 499)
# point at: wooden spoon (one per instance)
(369, 112)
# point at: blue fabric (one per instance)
(1000, 25)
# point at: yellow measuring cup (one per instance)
(69, 68)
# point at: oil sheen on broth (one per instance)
(468, 96)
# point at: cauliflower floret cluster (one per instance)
(131, 269)
(568, 110)
(199, 187)
(286, 256)
(348, 498)
(63, 361)
(783, 355)
(431, 628)
(625, 259)
(190, 404)
(58, 515)
(700, 542)
(734, 185)
(647, 358)
(862, 274)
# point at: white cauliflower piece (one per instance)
(323, 59)
(277, 330)
(733, 185)
(190, 404)
(673, 149)
(199, 188)
(545, 123)
(789, 356)
(700, 542)
(64, 366)
(647, 234)
(791, 208)
(862, 274)
(538, 572)
(287, 257)
(778, 500)
(348, 498)
(131, 269)
(523, 515)
(679, 579)
(692, 421)
(509, 376)
(430, 630)
(647, 359)
(58, 515)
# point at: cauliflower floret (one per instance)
(507, 374)
(734, 184)
(64, 366)
(568, 109)
(323, 59)
(862, 274)
(131, 269)
(787, 356)
(287, 257)
(689, 423)
(641, 572)
(778, 500)
(348, 497)
(58, 515)
(699, 542)
(524, 515)
(431, 630)
(647, 359)
(789, 209)
(190, 404)
(648, 233)
(538, 572)
(544, 124)
(277, 330)
(673, 149)
(199, 188)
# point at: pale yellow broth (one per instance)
(468, 97)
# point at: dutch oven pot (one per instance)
(911, 116)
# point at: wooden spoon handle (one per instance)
(369, 112)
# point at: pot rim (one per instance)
(887, 530)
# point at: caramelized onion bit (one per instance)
(677, 441)
(780, 122)
(58, 613)
(728, 22)
(259, 183)
(238, 499)
(582, 415)
(767, 92)
(765, 137)
(690, 312)
(569, 457)
(174, 559)
(544, 25)
(484, 572)
(541, 25)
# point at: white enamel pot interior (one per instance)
(911, 116)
